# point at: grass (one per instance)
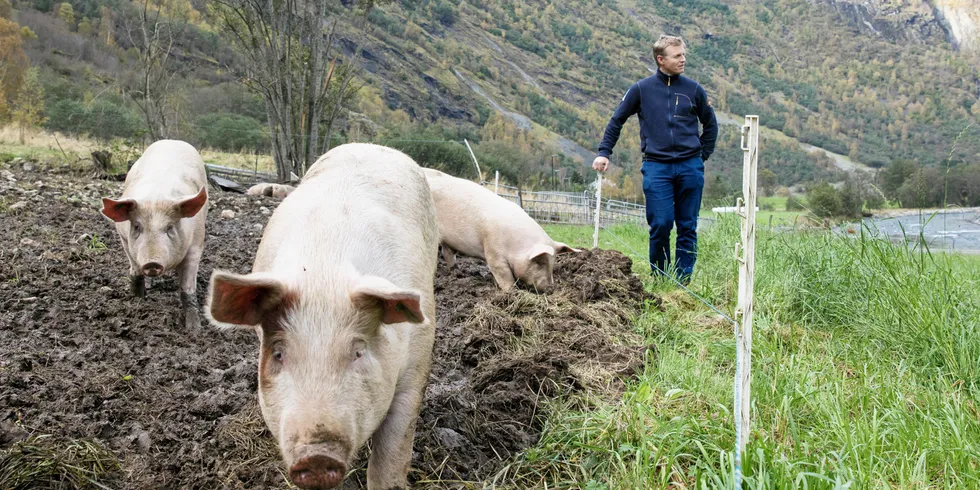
(46, 462)
(866, 374)
(40, 145)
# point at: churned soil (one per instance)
(101, 390)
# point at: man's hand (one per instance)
(600, 164)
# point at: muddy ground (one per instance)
(101, 390)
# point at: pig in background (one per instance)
(279, 191)
(160, 219)
(478, 223)
(341, 296)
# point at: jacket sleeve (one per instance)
(627, 107)
(709, 125)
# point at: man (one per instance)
(669, 107)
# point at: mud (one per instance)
(80, 360)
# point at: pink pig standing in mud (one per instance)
(160, 219)
(341, 296)
(478, 223)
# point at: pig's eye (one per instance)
(277, 355)
(359, 349)
(137, 229)
(170, 229)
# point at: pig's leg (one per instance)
(391, 444)
(137, 282)
(449, 255)
(501, 271)
(187, 271)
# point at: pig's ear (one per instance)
(118, 210)
(540, 252)
(397, 305)
(235, 300)
(191, 205)
(561, 248)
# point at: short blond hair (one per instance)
(665, 41)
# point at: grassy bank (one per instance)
(866, 366)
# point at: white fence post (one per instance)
(598, 209)
(496, 182)
(746, 286)
(479, 174)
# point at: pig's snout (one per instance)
(152, 269)
(317, 472)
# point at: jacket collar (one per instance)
(667, 79)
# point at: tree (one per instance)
(85, 27)
(158, 26)
(106, 26)
(67, 14)
(769, 181)
(894, 175)
(290, 60)
(29, 107)
(824, 200)
(13, 64)
(6, 10)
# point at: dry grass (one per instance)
(38, 144)
(247, 161)
(46, 462)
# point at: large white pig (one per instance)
(341, 297)
(160, 219)
(478, 223)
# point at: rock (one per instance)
(257, 227)
(18, 205)
(449, 438)
(28, 166)
(228, 214)
(105, 290)
(27, 242)
(265, 211)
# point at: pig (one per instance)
(279, 191)
(341, 297)
(478, 223)
(160, 219)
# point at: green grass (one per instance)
(866, 374)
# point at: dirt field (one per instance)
(97, 387)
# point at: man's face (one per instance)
(672, 62)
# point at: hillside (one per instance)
(870, 81)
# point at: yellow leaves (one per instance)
(13, 61)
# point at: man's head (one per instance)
(670, 54)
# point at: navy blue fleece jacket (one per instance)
(669, 109)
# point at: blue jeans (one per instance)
(673, 193)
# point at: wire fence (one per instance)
(570, 208)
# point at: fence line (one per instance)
(571, 208)
(554, 207)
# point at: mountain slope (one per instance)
(803, 67)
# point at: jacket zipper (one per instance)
(670, 119)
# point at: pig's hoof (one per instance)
(192, 319)
(188, 302)
(137, 286)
